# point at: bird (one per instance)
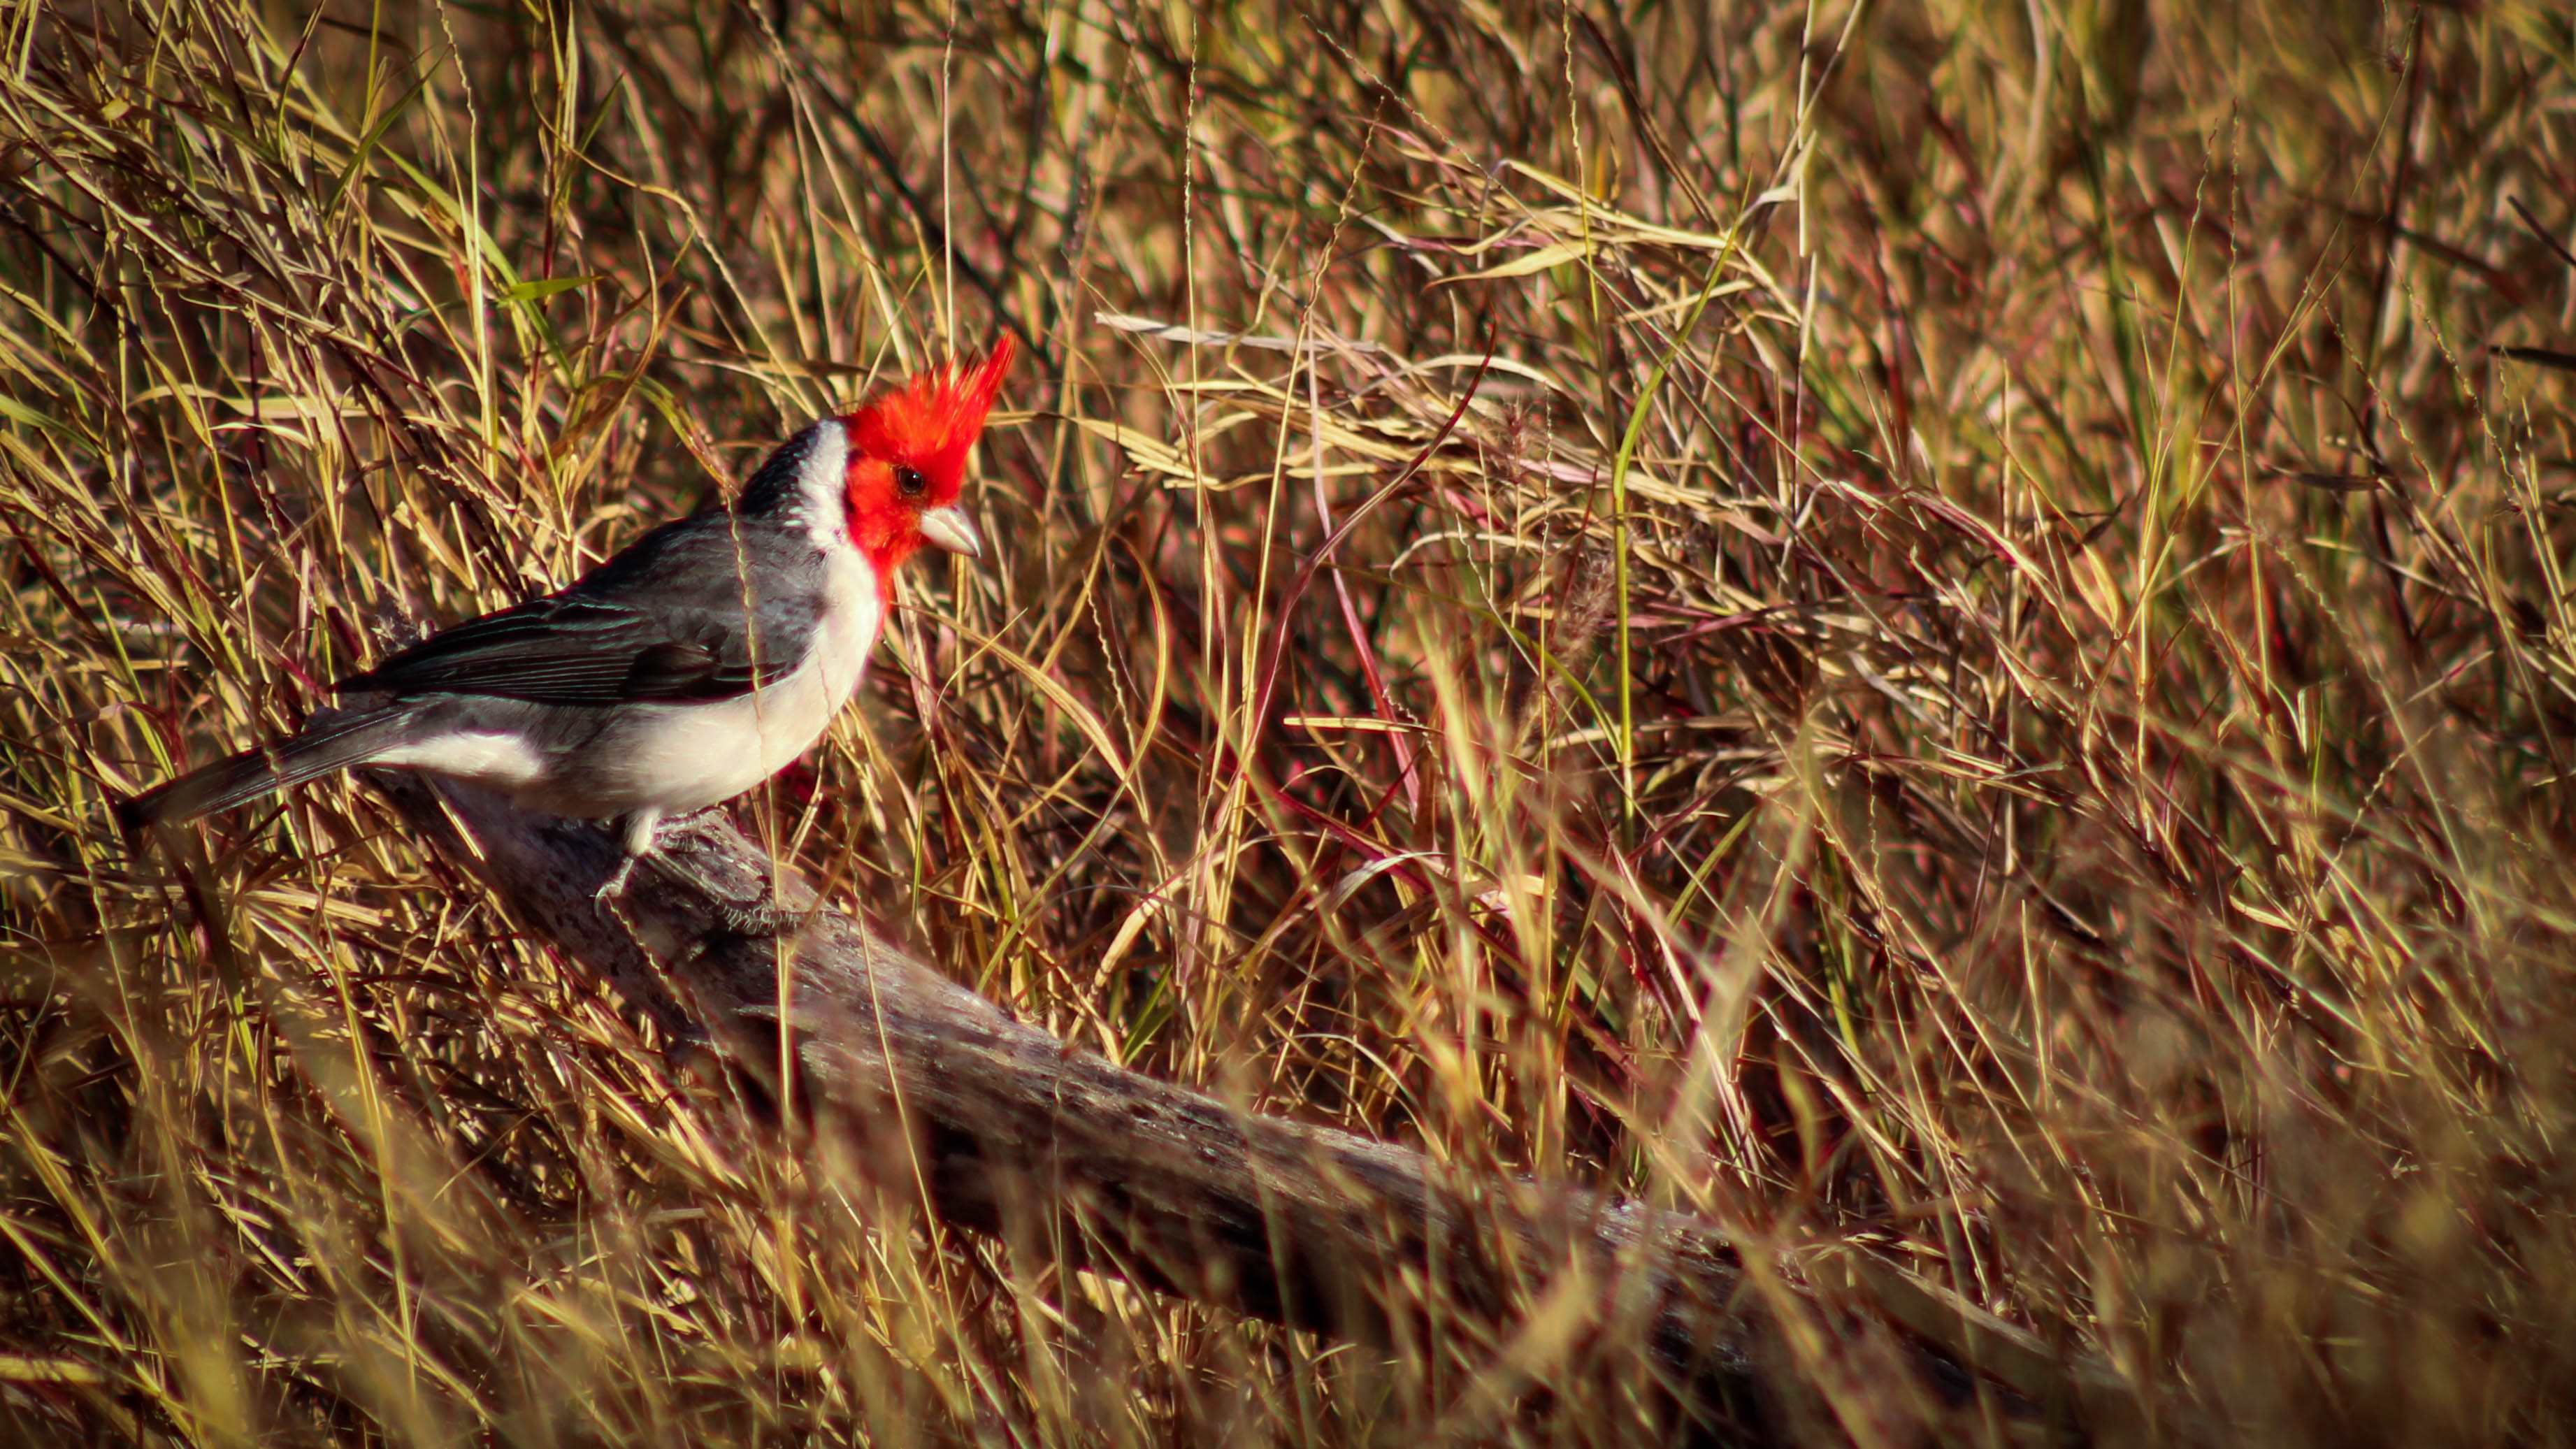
(689, 667)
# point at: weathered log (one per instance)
(1010, 1130)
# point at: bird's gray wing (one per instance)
(666, 620)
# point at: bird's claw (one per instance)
(615, 886)
(758, 920)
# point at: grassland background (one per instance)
(1987, 676)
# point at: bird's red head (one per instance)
(908, 453)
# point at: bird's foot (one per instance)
(760, 918)
(613, 887)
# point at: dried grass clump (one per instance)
(1931, 630)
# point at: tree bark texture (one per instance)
(1009, 1130)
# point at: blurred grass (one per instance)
(1985, 672)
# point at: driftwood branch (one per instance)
(1010, 1130)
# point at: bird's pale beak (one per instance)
(951, 529)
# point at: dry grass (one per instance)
(1986, 672)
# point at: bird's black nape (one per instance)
(778, 488)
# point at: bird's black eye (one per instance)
(910, 483)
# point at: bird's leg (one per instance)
(616, 882)
(637, 832)
(635, 837)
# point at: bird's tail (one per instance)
(330, 742)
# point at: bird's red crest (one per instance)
(932, 420)
(907, 460)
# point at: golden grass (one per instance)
(1986, 673)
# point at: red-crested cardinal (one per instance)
(690, 667)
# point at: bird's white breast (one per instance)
(683, 756)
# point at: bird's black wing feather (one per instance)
(666, 620)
